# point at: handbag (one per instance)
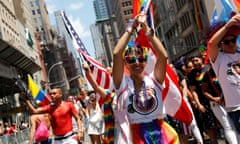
(42, 132)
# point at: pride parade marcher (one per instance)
(106, 101)
(61, 113)
(139, 107)
(223, 55)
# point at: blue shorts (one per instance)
(235, 116)
(49, 141)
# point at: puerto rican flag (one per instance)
(176, 106)
(101, 75)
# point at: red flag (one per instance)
(176, 106)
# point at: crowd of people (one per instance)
(7, 129)
(131, 111)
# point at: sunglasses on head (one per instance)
(227, 42)
(131, 59)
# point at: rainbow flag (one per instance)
(155, 132)
(141, 6)
(237, 5)
(108, 116)
(197, 16)
(200, 77)
(38, 94)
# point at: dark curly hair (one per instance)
(212, 30)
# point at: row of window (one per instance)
(185, 21)
(34, 3)
(128, 12)
(180, 4)
(127, 3)
(34, 12)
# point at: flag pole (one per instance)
(144, 11)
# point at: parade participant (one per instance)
(95, 127)
(106, 100)
(183, 67)
(61, 113)
(205, 118)
(35, 121)
(80, 112)
(212, 90)
(226, 64)
(139, 108)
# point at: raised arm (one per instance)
(30, 106)
(213, 43)
(92, 81)
(160, 66)
(118, 62)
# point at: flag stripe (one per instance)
(40, 96)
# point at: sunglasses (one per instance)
(133, 59)
(227, 42)
(52, 93)
(92, 95)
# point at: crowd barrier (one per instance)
(20, 137)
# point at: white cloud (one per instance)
(75, 6)
(78, 26)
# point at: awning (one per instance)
(16, 58)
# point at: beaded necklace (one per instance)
(141, 100)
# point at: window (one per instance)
(180, 4)
(127, 3)
(38, 11)
(185, 21)
(190, 41)
(33, 12)
(31, 4)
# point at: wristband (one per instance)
(129, 28)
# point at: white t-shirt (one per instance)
(144, 107)
(228, 73)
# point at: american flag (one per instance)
(101, 75)
(176, 106)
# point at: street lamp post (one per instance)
(63, 72)
(50, 69)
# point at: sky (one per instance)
(81, 15)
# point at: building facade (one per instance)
(17, 57)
